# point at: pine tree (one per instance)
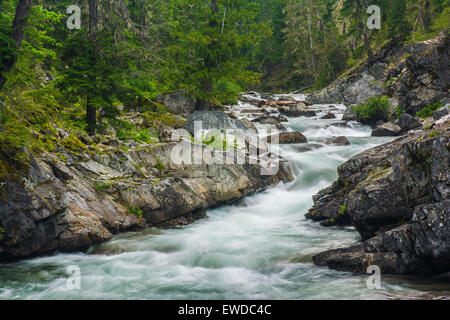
(398, 26)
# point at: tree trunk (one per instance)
(93, 18)
(18, 30)
(91, 110)
(322, 27)
(312, 49)
(422, 18)
(91, 116)
(214, 6)
(367, 43)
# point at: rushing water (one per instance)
(259, 248)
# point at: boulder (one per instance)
(408, 122)
(442, 112)
(248, 124)
(415, 82)
(177, 103)
(339, 141)
(253, 111)
(328, 116)
(420, 247)
(69, 206)
(350, 115)
(213, 120)
(288, 138)
(387, 129)
(295, 111)
(274, 122)
(398, 199)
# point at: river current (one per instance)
(259, 248)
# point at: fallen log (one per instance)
(277, 103)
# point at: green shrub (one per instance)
(136, 211)
(2, 231)
(428, 111)
(343, 209)
(400, 111)
(227, 91)
(102, 187)
(159, 165)
(373, 110)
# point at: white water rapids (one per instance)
(259, 248)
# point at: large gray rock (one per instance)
(213, 120)
(387, 129)
(364, 83)
(328, 116)
(350, 115)
(297, 111)
(419, 80)
(398, 198)
(442, 112)
(407, 122)
(288, 138)
(420, 247)
(338, 141)
(68, 206)
(177, 103)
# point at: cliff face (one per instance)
(69, 201)
(398, 198)
(414, 76)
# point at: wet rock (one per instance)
(307, 147)
(288, 138)
(296, 111)
(66, 207)
(328, 116)
(253, 111)
(274, 122)
(397, 197)
(350, 115)
(338, 141)
(248, 124)
(420, 247)
(387, 130)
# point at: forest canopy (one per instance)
(128, 51)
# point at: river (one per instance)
(259, 248)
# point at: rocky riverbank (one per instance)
(68, 201)
(413, 76)
(397, 196)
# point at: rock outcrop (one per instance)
(397, 196)
(179, 103)
(414, 76)
(69, 201)
(213, 120)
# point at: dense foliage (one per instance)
(428, 111)
(128, 51)
(373, 110)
